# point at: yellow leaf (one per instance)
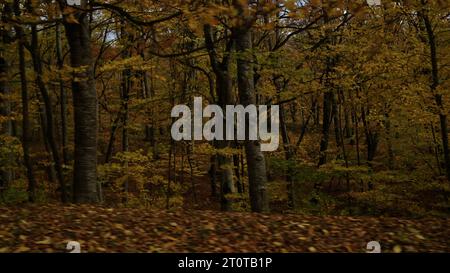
(118, 226)
(46, 241)
(312, 249)
(127, 232)
(277, 244)
(397, 249)
(4, 250)
(23, 249)
(420, 237)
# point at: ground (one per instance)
(48, 228)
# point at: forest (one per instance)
(87, 151)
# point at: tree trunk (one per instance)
(435, 82)
(347, 127)
(305, 123)
(225, 163)
(239, 182)
(125, 117)
(336, 120)
(288, 152)
(112, 137)
(26, 127)
(5, 111)
(327, 117)
(85, 108)
(280, 85)
(213, 175)
(49, 132)
(51, 173)
(63, 95)
(371, 137)
(225, 97)
(387, 126)
(257, 174)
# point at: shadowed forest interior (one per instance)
(86, 93)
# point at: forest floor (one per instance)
(48, 228)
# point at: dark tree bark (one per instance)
(371, 137)
(280, 84)
(125, 97)
(387, 126)
(357, 147)
(289, 154)
(125, 118)
(327, 119)
(306, 122)
(26, 127)
(435, 82)
(347, 118)
(63, 98)
(5, 111)
(85, 107)
(112, 137)
(49, 132)
(237, 162)
(213, 175)
(150, 93)
(51, 173)
(224, 93)
(257, 173)
(336, 120)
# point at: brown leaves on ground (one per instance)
(49, 228)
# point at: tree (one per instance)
(224, 93)
(26, 127)
(435, 82)
(257, 173)
(85, 104)
(5, 111)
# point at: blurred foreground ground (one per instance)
(48, 228)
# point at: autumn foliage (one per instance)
(86, 94)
